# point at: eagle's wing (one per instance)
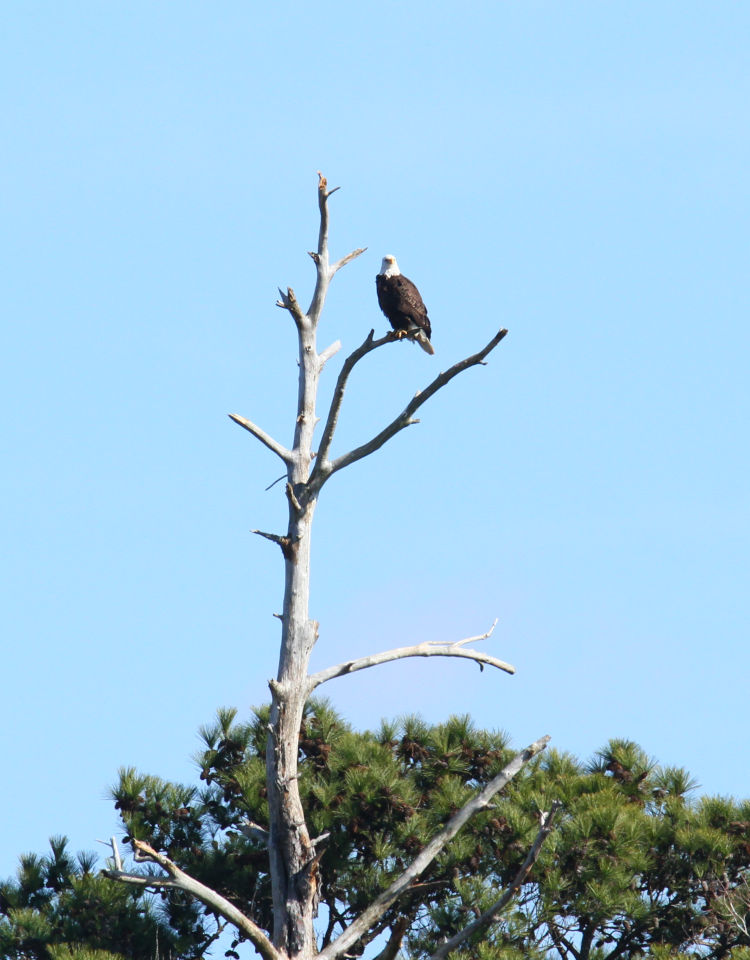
(411, 303)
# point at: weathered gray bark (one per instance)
(293, 857)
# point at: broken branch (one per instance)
(326, 355)
(284, 542)
(289, 302)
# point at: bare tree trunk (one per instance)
(293, 859)
(293, 866)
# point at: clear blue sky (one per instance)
(576, 172)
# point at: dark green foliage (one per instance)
(57, 900)
(635, 868)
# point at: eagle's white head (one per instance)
(389, 267)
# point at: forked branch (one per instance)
(178, 879)
(338, 394)
(483, 921)
(288, 301)
(429, 648)
(381, 904)
(324, 468)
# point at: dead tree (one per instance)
(293, 854)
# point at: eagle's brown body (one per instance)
(402, 303)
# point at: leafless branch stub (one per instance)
(260, 434)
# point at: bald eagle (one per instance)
(400, 301)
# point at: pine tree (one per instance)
(637, 866)
(59, 899)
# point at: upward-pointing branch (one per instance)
(324, 467)
(320, 256)
(338, 394)
(378, 907)
(483, 921)
(325, 269)
(266, 439)
(180, 880)
(335, 267)
(326, 354)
